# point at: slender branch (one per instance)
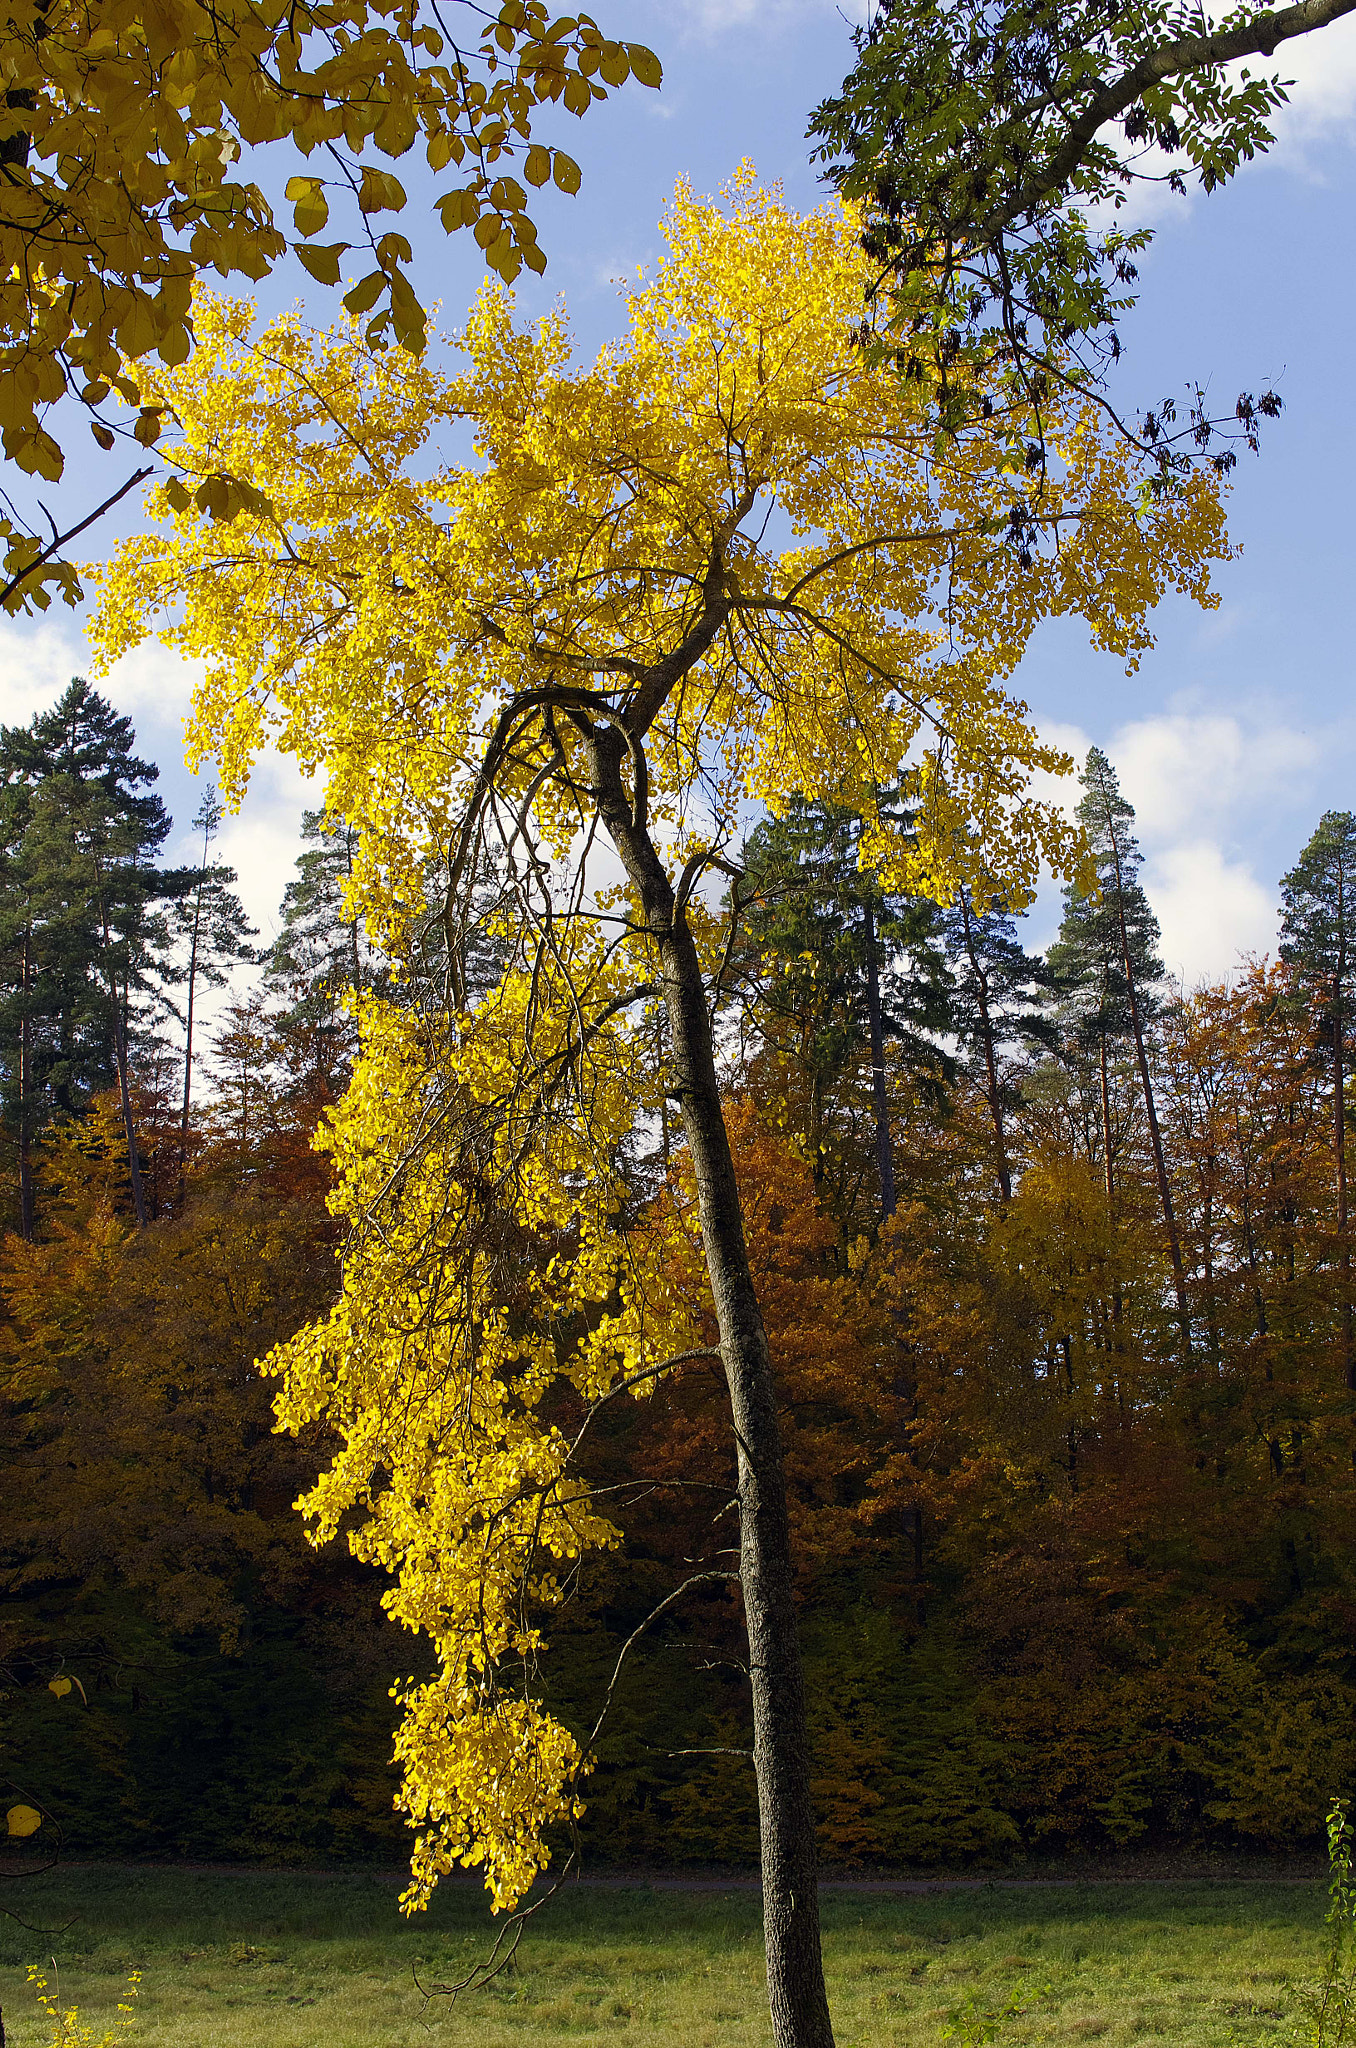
(61, 540)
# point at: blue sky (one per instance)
(1238, 729)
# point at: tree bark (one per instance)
(116, 1000)
(885, 1159)
(1150, 1111)
(1340, 1133)
(188, 1036)
(990, 1053)
(797, 1997)
(25, 1104)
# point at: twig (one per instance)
(61, 540)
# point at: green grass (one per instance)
(286, 1961)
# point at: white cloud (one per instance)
(1210, 910)
(1186, 772)
(262, 841)
(1323, 96)
(1198, 782)
(1062, 790)
(37, 660)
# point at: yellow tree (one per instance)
(725, 562)
(123, 125)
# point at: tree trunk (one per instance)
(1150, 1111)
(25, 1104)
(885, 1160)
(1107, 1173)
(188, 1041)
(1340, 1133)
(796, 1994)
(128, 1120)
(990, 1053)
(124, 1087)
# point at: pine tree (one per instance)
(841, 966)
(97, 949)
(17, 977)
(210, 919)
(1106, 959)
(320, 951)
(1318, 937)
(996, 997)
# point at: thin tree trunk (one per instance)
(124, 1086)
(1107, 1173)
(885, 1161)
(25, 1105)
(128, 1121)
(990, 1055)
(796, 1993)
(1150, 1111)
(1340, 1132)
(188, 1040)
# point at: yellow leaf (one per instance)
(323, 260)
(537, 167)
(645, 66)
(23, 1820)
(366, 292)
(380, 192)
(174, 345)
(60, 1686)
(566, 172)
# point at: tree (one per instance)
(837, 965)
(120, 134)
(981, 139)
(1105, 957)
(94, 936)
(1317, 932)
(18, 1022)
(998, 988)
(210, 917)
(604, 642)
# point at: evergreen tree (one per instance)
(209, 919)
(1318, 936)
(997, 993)
(18, 965)
(1106, 962)
(94, 949)
(841, 966)
(319, 954)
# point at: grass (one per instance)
(287, 1961)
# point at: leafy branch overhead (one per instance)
(995, 144)
(124, 126)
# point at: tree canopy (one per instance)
(136, 148)
(993, 145)
(727, 561)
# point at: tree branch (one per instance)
(61, 540)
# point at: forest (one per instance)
(648, 1325)
(1054, 1263)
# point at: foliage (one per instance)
(1329, 2008)
(993, 147)
(120, 136)
(69, 2030)
(454, 649)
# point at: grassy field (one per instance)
(282, 1961)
